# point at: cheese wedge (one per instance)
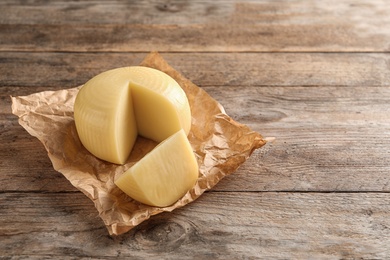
(164, 175)
(115, 106)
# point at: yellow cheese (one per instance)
(164, 175)
(115, 106)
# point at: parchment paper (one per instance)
(220, 144)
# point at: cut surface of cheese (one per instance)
(164, 175)
(115, 106)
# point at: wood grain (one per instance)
(65, 70)
(255, 225)
(352, 26)
(312, 74)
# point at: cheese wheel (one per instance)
(115, 106)
(164, 175)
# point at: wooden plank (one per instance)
(65, 70)
(59, 69)
(288, 26)
(218, 225)
(115, 12)
(328, 138)
(194, 12)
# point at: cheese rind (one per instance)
(105, 120)
(164, 175)
(115, 106)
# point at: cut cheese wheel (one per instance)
(115, 106)
(164, 175)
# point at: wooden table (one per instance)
(313, 74)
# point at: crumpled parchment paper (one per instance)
(220, 144)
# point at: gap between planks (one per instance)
(218, 191)
(193, 52)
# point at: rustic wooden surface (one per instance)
(313, 74)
